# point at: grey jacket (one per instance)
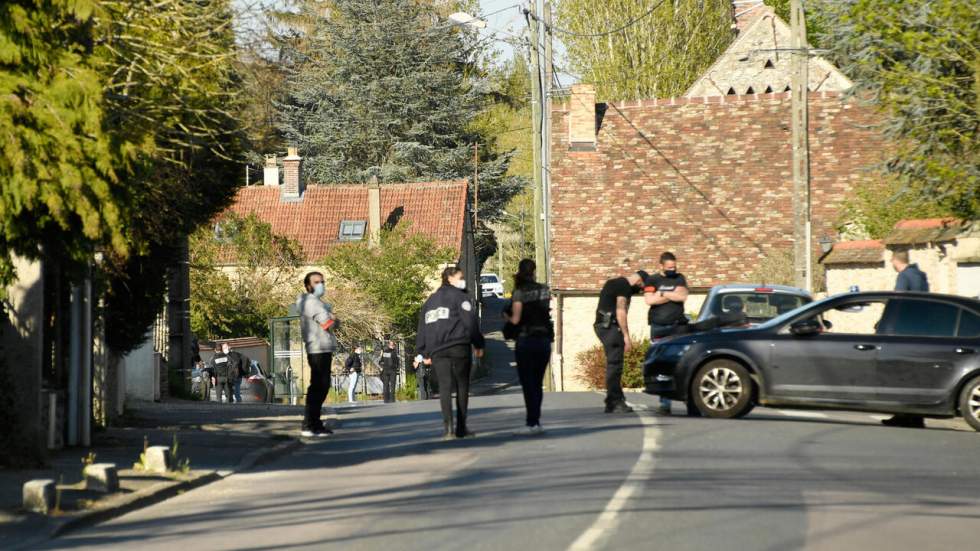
(313, 315)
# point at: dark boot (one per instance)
(907, 421)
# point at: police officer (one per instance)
(530, 312)
(354, 367)
(448, 328)
(389, 370)
(423, 374)
(613, 331)
(665, 293)
(221, 366)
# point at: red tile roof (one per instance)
(437, 209)
(856, 252)
(747, 12)
(866, 244)
(924, 230)
(924, 223)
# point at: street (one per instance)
(774, 480)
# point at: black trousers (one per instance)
(614, 345)
(223, 386)
(318, 389)
(388, 379)
(452, 369)
(422, 375)
(532, 355)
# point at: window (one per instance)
(488, 279)
(969, 325)
(352, 230)
(854, 318)
(758, 306)
(921, 318)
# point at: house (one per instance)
(947, 250)
(707, 176)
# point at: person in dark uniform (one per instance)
(448, 336)
(910, 278)
(665, 293)
(530, 312)
(389, 371)
(423, 374)
(221, 367)
(613, 331)
(354, 367)
(237, 370)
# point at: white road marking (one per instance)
(802, 413)
(639, 474)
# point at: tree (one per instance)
(917, 61)
(389, 88)
(242, 275)
(396, 275)
(658, 55)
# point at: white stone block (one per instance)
(39, 495)
(102, 477)
(158, 459)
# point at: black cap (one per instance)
(644, 276)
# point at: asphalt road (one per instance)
(594, 481)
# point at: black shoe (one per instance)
(465, 434)
(907, 421)
(620, 408)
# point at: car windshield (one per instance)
(782, 318)
(758, 306)
(488, 279)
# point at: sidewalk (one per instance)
(499, 359)
(217, 439)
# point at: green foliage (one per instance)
(777, 269)
(917, 61)
(409, 391)
(815, 20)
(661, 55)
(593, 362)
(875, 206)
(396, 275)
(242, 278)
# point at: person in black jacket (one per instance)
(389, 371)
(354, 367)
(224, 369)
(530, 312)
(448, 328)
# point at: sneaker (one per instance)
(621, 408)
(536, 430)
(307, 433)
(663, 410)
(322, 433)
(526, 431)
(466, 434)
(448, 436)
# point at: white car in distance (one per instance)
(491, 285)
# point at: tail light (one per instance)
(764, 289)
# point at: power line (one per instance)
(628, 24)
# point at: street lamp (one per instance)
(826, 243)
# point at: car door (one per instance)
(834, 367)
(921, 356)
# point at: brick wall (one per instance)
(709, 178)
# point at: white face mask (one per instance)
(225, 349)
(318, 290)
(459, 284)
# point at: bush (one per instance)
(593, 362)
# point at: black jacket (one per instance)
(230, 366)
(353, 363)
(448, 319)
(389, 360)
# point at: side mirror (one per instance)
(827, 325)
(806, 327)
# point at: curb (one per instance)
(163, 491)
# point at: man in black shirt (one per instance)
(612, 328)
(665, 293)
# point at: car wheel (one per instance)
(722, 389)
(970, 403)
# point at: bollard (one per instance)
(39, 495)
(102, 477)
(158, 459)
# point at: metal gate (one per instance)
(287, 364)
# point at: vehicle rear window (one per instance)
(969, 325)
(488, 279)
(922, 318)
(757, 306)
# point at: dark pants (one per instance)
(223, 386)
(422, 375)
(452, 367)
(658, 332)
(388, 379)
(532, 355)
(237, 388)
(319, 387)
(614, 346)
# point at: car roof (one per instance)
(732, 287)
(959, 299)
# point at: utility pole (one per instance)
(533, 22)
(476, 183)
(546, 141)
(802, 263)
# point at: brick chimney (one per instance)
(374, 211)
(292, 175)
(581, 118)
(270, 172)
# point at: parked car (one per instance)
(491, 285)
(759, 302)
(888, 352)
(257, 387)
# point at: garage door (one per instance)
(968, 279)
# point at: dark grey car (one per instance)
(914, 353)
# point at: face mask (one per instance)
(460, 284)
(318, 290)
(670, 273)
(225, 350)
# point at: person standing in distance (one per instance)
(910, 278)
(389, 370)
(317, 324)
(448, 329)
(354, 367)
(422, 375)
(221, 366)
(531, 313)
(665, 293)
(612, 328)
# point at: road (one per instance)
(770, 481)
